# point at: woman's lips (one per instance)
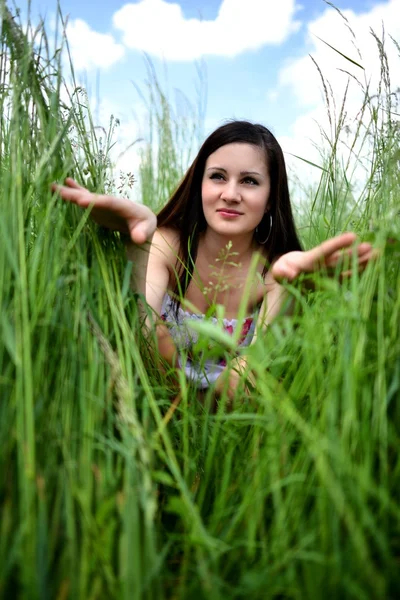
(229, 213)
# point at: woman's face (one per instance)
(235, 189)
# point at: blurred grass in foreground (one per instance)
(293, 495)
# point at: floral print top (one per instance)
(201, 371)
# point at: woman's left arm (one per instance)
(237, 369)
(330, 255)
(333, 254)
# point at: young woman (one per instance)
(232, 204)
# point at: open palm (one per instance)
(328, 255)
(112, 212)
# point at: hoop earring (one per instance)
(269, 233)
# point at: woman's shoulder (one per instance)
(167, 239)
(267, 288)
(271, 285)
(165, 245)
(168, 234)
(272, 298)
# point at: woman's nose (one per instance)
(231, 192)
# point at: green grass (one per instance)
(294, 495)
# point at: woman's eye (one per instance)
(250, 180)
(217, 176)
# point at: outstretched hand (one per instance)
(112, 212)
(329, 255)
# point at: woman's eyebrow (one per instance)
(217, 169)
(241, 172)
(251, 173)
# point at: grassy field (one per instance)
(104, 493)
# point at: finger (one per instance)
(338, 259)
(344, 255)
(144, 228)
(69, 183)
(348, 273)
(372, 254)
(285, 273)
(73, 184)
(363, 248)
(362, 263)
(326, 249)
(81, 197)
(62, 191)
(139, 233)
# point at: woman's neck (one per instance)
(214, 246)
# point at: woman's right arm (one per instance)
(153, 263)
(120, 214)
(153, 253)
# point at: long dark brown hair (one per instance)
(184, 211)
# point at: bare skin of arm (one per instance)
(152, 276)
(154, 253)
(271, 306)
(329, 255)
(151, 251)
(119, 214)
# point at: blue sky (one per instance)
(255, 52)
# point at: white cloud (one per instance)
(300, 76)
(160, 28)
(90, 49)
